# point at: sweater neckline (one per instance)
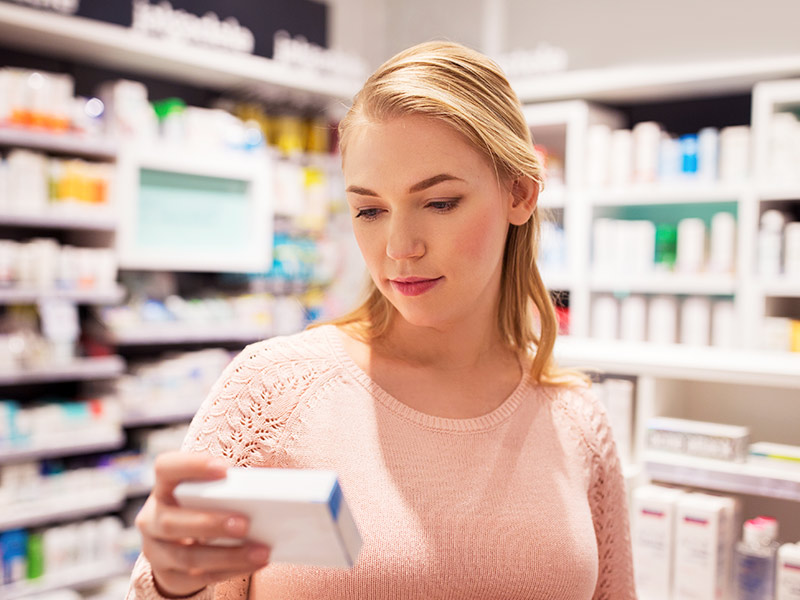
(467, 425)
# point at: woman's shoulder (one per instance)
(580, 405)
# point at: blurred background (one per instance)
(170, 191)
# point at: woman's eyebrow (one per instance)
(417, 187)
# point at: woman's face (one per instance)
(430, 218)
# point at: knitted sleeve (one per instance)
(607, 499)
(242, 421)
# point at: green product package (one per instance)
(666, 245)
(35, 555)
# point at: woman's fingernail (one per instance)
(236, 526)
(259, 555)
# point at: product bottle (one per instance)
(788, 581)
(755, 560)
(770, 240)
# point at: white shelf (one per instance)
(163, 417)
(128, 50)
(656, 82)
(32, 296)
(701, 284)
(689, 193)
(771, 369)
(138, 490)
(784, 193)
(754, 477)
(67, 218)
(783, 287)
(188, 333)
(68, 506)
(77, 577)
(80, 369)
(65, 143)
(65, 444)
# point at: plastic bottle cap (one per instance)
(772, 220)
(757, 533)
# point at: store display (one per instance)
(784, 149)
(787, 585)
(776, 454)
(617, 395)
(755, 560)
(653, 516)
(780, 334)
(36, 99)
(633, 319)
(697, 438)
(623, 158)
(695, 321)
(704, 537)
(300, 514)
(723, 324)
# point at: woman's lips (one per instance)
(414, 286)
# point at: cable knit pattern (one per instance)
(526, 502)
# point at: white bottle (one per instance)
(662, 320)
(691, 251)
(723, 243)
(770, 240)
(787, 585)
(754, 574)
(791, 251)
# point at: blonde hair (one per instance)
(467, 91)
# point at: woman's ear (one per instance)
(524, 195)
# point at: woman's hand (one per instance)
(174, 539)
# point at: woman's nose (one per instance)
(404, 240)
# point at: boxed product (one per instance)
(300, 513)
(653, 538)
(706, 530)
(775, 453)
(697, 438)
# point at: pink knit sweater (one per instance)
(526, 502)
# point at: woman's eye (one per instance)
(368, 214)
(443, 206)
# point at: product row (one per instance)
(33, 184)
(783, 162)
(44, 264)
(641, 247)
(647, 154)
(694, 320)
(779, 245)
(28, 555)
(685, 548)
(718, 441)
(40, 424)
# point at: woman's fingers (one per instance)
(171, 523)
(197, 560)
(174, 467)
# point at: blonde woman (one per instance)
(474, 467)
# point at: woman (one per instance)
(473, 466)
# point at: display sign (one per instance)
(241, 25)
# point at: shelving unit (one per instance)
(703, 285)
(665, 194)
(753, 478)
(31, 296)
(67, 143)
(188, 333)
(82, 577)
(81, 369)
(163, 417)
(77, 219)
(65, 444)
(69, 505)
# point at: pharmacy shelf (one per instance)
(673, 283)
(128, 50)
(81, 369)
(656, 82)
(32, 296)
(675, 361)
(160, 417)
(553, 198)
(66, 143)
(66, 444)
(76, 577)
(188, 333)
(69, 219)
(137, 490)
(62, 507)
(559, 282)
(667, 194)
(783, 193)
(758, 478)
(783, 287)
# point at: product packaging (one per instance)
(770, 240)
(653, 539)
(707, 154)
(646, 143)
(621, 167)
(723, 243)
(754, 560)
(691, 245)
(777, 454)
(791, 251)
(301, 514)
(696, 321)
(689, 154)
(705, 533)
(698, 438)
(734, 154)
(605, 317)
(723, 324)
(662, 321)
(787, 584)
(633, 319)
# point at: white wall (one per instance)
(594, 32)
